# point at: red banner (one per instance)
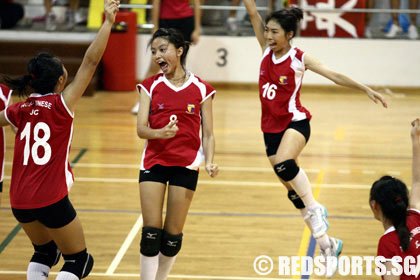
(328, 24)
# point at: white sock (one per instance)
(303, 188)
(165, 266)
(65, 275)
(303, 212)
(37, 271)
(324, 242)
(148, 267)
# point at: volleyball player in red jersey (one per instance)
(285, 122)
(41, 174)
(174, 106)
(399, 213)
(5, 94)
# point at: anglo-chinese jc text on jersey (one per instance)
(279, 83)
(185, 149)
(41, 173)
(5, 94)
(389, 244)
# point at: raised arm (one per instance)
(316, 66)
(93, 55)
(415, 188)
(257, 22)
(143, 129)
(195, 36)
(208, 137)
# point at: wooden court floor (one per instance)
(244, 212)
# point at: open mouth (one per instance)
(163, 66)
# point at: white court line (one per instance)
(228, 183)
(137, 275)
(227, 168)
(127, 242)
(219, 182)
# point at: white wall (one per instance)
(373, 62)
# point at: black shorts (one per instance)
(56, 215)
(272, 140)
(174, 175)
(184, 25)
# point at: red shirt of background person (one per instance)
(173, 9)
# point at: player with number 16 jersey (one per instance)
(41, 172)
(280, 83)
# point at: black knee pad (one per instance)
(171, 244)
(295, 199)
(286, 170)
(47, 254)
(150, 241)
(80, 264)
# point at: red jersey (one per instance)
(41, 173)
(175, 9)
(185, 149)
(280, 82)
(5, 94)
(389, 244)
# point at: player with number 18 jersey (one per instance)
(280, 82)
(41, 172)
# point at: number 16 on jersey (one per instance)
(269, 91)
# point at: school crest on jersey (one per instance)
(283, 80)
(190, 108)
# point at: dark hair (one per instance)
(288, 18)
(392, 196)
(43, 73)
(174, 37)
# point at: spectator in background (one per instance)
(51, 19)
(10, 13)
(370, 4)
(231, 22)
(396, 28)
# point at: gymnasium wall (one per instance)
(236, 59)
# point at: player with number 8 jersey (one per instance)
(44, 126)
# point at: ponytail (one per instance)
(392, 196)
(44, 71)
(20, 85)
